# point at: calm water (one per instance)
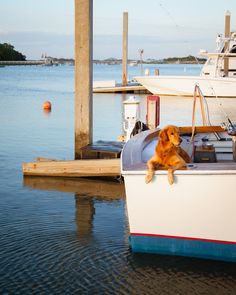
(71, 236)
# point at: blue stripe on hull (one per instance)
(183, 247)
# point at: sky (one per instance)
(162, 28)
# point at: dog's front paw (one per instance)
(170, 178)
(148, 177)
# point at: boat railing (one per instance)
(198, 94)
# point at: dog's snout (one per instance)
(180, 140)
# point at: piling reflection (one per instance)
(84, 214)
(102, 189)
(86, 192)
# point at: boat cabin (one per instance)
(226, 52)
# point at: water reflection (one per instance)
(181, 275)
(84, 214)
(105, 190)
(96, 254)
(87, 191)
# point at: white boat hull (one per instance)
(184, 85)
(193, 217)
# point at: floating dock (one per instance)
(74, 168)
(100, 159)
(122, 89)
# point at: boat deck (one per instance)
(218, 158)
(193, 168)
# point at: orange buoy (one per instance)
(47, 105)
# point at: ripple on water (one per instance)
(47, 253)
(57, 243)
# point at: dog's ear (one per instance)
(164, 135)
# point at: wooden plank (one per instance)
(74, 168)
(201, 129)
(120, 89)
(188, 129)
(102, 150)
(40, 159)
(85, 187)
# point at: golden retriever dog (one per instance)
(168, 154)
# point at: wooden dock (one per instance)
(106, 163)
(102, 150)
(100, 159)
(122, 89)
(74, 168)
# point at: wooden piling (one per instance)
(83, 74)
(125, 49)
(227, 35)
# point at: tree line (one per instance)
(8, 53)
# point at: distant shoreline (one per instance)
(148, 62)
(115, 61)
(109, 61)
(9, 56)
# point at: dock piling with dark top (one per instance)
(125, 49)
(83, 74)
(94, 159)
(227, 35)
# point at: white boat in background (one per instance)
(196, 215)
(214, 80)
(133, 63)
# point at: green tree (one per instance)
(8, 52)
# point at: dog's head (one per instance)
(171, 134)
